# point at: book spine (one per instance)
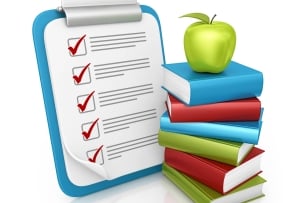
(226, 89)
(236, 132)
(240, 110)
(186, 186)
(206, 148)
(197, 169)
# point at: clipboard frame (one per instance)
(68, 187)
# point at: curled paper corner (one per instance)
(95, 167)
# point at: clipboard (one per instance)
(101, 84)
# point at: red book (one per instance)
(236, 110)
(219, 176)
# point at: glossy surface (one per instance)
(209, 47)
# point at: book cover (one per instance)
(218, 176)
(237, 81)
(200, 193)
(236, 110)
(227, 152)
(241, 131)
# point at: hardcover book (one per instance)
(237, 81)
(200, 193)
(241, 131)
(236, 110)
(218, 176)
(232, 153)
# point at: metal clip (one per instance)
(92, 12)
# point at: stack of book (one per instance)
(210, 131)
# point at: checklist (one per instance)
(106, 85)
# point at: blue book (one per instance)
(237, 81)
(245, 131)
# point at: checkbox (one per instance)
(99, 159)
(85, 77)
(78, 45)
(91, 130)
(87, 101)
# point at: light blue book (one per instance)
(237, 81)
(246, 132)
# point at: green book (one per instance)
(200, 193)
(228, 152)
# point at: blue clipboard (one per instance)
(66, 185)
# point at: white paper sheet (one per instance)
(108, 96)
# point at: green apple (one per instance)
(208, 45)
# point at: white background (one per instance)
(270, 38)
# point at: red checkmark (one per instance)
(74, 49)
(78, 78)
(83, 106)
(88, 133)
(93, 159)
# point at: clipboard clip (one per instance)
(93, 12)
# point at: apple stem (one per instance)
(212, 19)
